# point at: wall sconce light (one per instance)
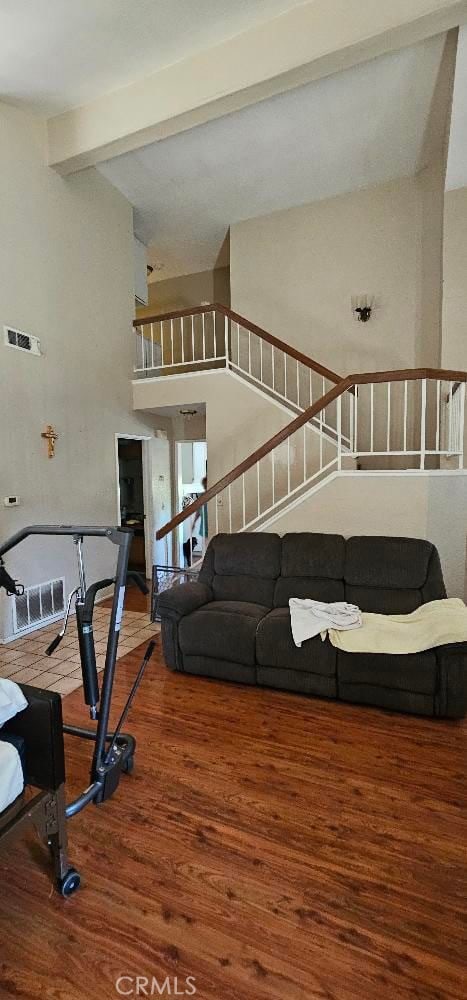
(188, 414)
(362, 307)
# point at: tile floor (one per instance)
(24, 660)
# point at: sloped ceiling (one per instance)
(362, 127)
(55, 54)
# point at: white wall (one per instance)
(238, 419)
(455, 280)
(294, 273)
(412, 505)
(66, 275)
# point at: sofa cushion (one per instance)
(275, 647)
(416, 672)
(312, 565)
(375, 561)
(224, 630)
(314, 588)
(383, 601)
(243, 567)
(307, 553)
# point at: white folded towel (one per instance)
(309, 618)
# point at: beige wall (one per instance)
(294, 273)
(238, 419)
(187, 290)
(455, 280)
(66, 275)
(454, 342)
(413, 506)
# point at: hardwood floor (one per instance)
(269, 845)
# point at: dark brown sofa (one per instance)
(234, 623)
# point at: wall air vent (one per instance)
(38, 605)
(22, 341)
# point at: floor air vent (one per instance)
(22, 341)
(38, 604)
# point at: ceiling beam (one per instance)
(308, 42)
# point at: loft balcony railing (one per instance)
(214, 337)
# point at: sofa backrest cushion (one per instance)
(392, 575)
(243, 567)
(312, 565)
(380, 574)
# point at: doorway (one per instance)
(191, 470)
(131, 498)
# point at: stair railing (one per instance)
(411, 419)
(213, 336)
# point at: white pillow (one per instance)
(12, 700)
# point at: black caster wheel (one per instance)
(69, 883)
(129, 765)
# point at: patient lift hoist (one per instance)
(113, 752)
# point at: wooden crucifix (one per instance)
(50, 436)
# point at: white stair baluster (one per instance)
(321, 414)
(339, 432)
(405, 413)
(388, 426)
(423, 426)
(438, 412)
(461, 389)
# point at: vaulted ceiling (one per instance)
(357, 128)
(55, 54)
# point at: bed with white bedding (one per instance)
(11, 775)
(12, 702)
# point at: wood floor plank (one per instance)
(272, 846)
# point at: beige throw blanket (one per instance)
(433, 624)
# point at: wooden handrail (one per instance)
(345, 384)
(276, 342)
(409, 375)
(176, 314)
(255, 457)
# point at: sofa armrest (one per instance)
(41, 727)
(451, 699)
(182, 600)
